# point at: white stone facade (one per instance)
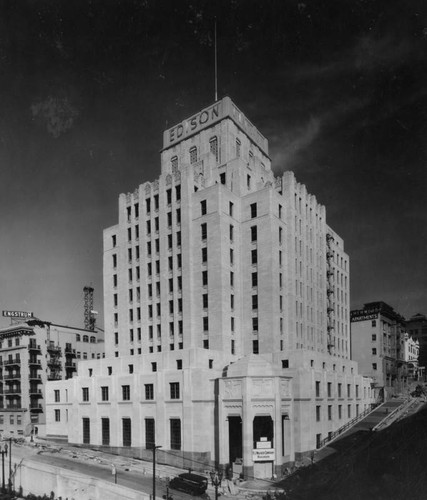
(230, 280)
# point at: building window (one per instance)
(374, 337)
(339, 390)
(231, 279)
(348, 411)
(330, 412)
(203, 207)
(317, 389)
(238, 148)
(223, 178)
(204, 230)
(150, 438)
(104, 393)
(348, 390)
(255, 324)
(374, 366)
(339, 412)
(105, 429)
(255, 347)
(205, 323)
(230, 208)
(126, 392)
(205, 300)
(231, 232)
(253, 210)
(254, 279)
(169, 196)
(254, 302)
(204, 254)
(213, 146)
(254, 256)
(86, 430)
(57, 396)
(57, 415)
(193, 154)
(127, 431)
(85, 393)
(174, 390)
(114, 240)
(253, 233)
(374, 322)
(374, 352)
(329, 389)
(317, 413)
(204, 278)
(149, 392)
(175, 433)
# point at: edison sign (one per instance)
(192, 125)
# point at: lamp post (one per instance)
(154, 470)
(3, 451)
(216, 478)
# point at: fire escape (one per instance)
(330, 279)
(34, 378)
(54, 361)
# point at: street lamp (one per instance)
(3, 451)
(154, 470)
(216, 478)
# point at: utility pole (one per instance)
(3, 452)
(10, 465)
(154, 470)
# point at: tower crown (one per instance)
(209, 116)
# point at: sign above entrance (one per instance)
(263, 455)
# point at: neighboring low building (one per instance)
(382, 348)
(417, 329)
(29, 357)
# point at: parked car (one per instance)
(194, 484)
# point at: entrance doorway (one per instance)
(235, 438)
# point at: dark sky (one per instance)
(86, 89)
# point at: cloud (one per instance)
(293, 142)
(55, 113)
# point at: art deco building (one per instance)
(226, 311)
(383, 348)
(29, 357)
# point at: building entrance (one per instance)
(235, 442)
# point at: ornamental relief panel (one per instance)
(264, 405)
(285, 388)
(147, 188)
(232, 389)
(262, 386)
(168, 180)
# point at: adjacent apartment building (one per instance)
(383, 349)
(33, 352)
(417, 329)
(226, 298)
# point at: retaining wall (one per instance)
(39, 479)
